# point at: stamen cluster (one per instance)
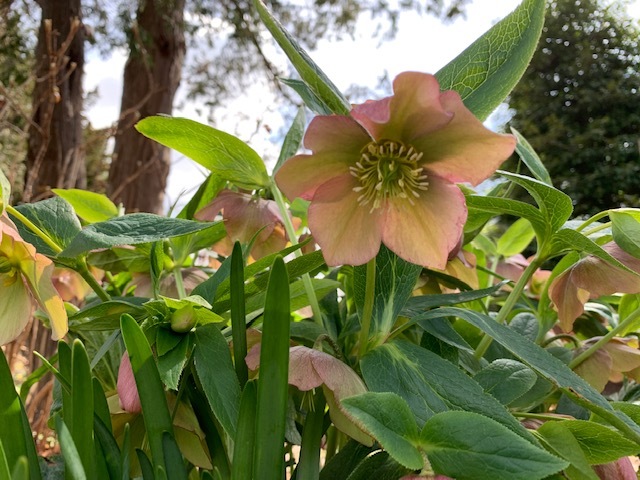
(388, 169)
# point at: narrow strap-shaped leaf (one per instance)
(490, 67)
(126, 448)
(4, 466)
(20, 470)
(150, 389)
(312, 75)
(145, 465)
(72, 461)
(110, 450)
(238, 322)
(531, 159)
(15, 432)
(309, 465)
(242, 466)
(173, 458)
(82, 404)
(273, 380)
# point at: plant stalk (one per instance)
(367, 311)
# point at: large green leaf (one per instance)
(225, 155)
(498, 206)
(213, 365)
(130, 230)
(395, 281)
(506, 379)
(600, 444)
(488, 69)
(560, 440)
(626, 229)
(429, 384)
(469, 446)
(312, 75)
(546, 365)
(387, 418)
(516, 238)
(90, 206)
(55, 217)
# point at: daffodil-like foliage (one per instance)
(24, 276)
(387, 173)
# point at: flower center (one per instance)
(388, 169)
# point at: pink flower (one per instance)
(244, 216)
(25, 276)
(621, 469)
(309, 369)
(127, 389)
(591, 278)
(387, 173)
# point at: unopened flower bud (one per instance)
(183, 319)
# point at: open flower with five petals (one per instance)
(387, 173)
(25, 276)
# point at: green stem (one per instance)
(309, 465)
(632, 318)
(83, 269)
(177, 274)
(509, 303)
(31, 226)
(367, 310)
(591, 220)
(293, 238)
(604, 226)
(332, 443)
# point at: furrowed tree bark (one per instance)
(139, 168)
(54, 157)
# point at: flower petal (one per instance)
(426, 232)
(465, 150)
(336, 142)
(15, 308)
(127, 388)
(568, 298)
(301, 371)
(346, 231)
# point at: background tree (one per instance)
(578, 103)
(54, 156)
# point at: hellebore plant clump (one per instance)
(360, 312)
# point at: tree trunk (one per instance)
(54, 157)
(139, 168)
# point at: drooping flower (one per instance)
(127, 389)
(244, 216)
(386, 174)
(25, 276)
(591, 278)
(309, 369)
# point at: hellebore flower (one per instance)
(244, 216)
(309, 369)
(127, 388)
(387, 172)
(591, 278)
(24, 276)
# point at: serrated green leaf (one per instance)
(418, 304)
(55, 217)
(555, 206)
(395, 281)
(171, 363)
(506, 379)
(516, 238)
(489, 68)
(379, 465)
(106, 315)
(546, 365)
(310, 73)
(130, 229)
(387, 418)
(531, 159)
(498, 206)
(429, 384)
(468, 446)
(600, 444)
(219, 384)
(223, 154)
(560, 440)
(90, 206)
(626, 230)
